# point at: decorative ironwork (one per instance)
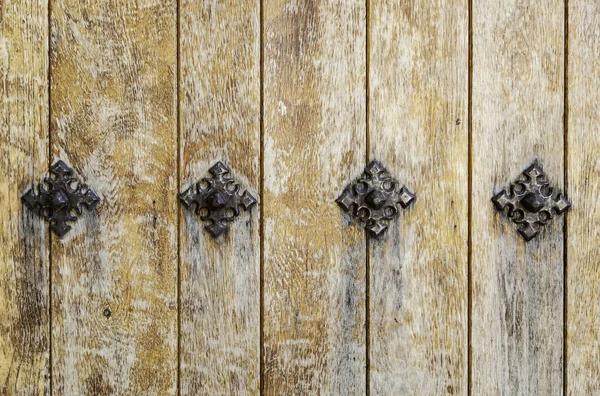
(217, 200)
(373, 198)
(60, 198)
(532, 202)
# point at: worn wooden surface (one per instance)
(583, 225)
(418, 129)
(113, 118)
(314, 144)
(517, 287)
(108, 306)
(24, 326)
(220, 121)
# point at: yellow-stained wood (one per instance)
(113, 118)
(517, 286)
(24, 326)
(314, 144)
(583, 225)
(418, 112)
(220, 121)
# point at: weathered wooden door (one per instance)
(455, 98)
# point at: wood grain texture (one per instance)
(517, 287)
(24, 264)
(113, 118)
(220, 279)
(583, 232)
(418, 112)
(314, 144)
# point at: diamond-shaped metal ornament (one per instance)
(59, 198)
(374, 197)
(219, 199)
(532, 202)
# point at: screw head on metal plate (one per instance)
(60, 198)
(531, 201)
(373, 198)
(218, 201)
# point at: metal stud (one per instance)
(374, 197)
(218, 200)
(60, 198)
(532, 202)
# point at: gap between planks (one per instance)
(261, 176)
(178, 203)
(566, 188)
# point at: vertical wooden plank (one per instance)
(113, 118)
(583, 252)
(314, 144)
(517, 286)
(220, 121)
(418, 112)
(24, 327)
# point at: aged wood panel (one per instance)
(220, 121)
(517, 287)
(24, 264)
(418, 112)
(583, 225)
(113, 118)
(314, 144)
